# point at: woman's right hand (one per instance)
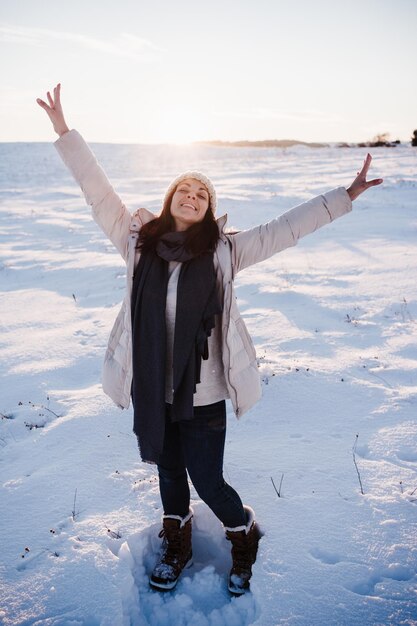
(54, 110)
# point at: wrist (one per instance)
(61, 130)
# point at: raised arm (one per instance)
(259, 243)
(108, 209)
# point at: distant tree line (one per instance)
(381, 140)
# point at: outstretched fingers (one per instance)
(57, 94)
(375, 181)
(364, 172)
(42, 104)
(360, 184)
(54, 110)
(366, 165)
(54, 102)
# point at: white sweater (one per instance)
(212, 387)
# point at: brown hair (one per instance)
(201, 237)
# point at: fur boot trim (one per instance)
(250, 516)
(182, 520)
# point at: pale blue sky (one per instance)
(157, 71)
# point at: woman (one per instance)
(179, 347)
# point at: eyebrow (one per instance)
(188, 184)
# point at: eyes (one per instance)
(201, 195)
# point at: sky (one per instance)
(177, 71)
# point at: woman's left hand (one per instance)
(360, 184)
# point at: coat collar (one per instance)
(139, 218)
(221, 223)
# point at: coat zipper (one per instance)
(237, 410)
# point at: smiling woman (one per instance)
(189, 203)
(179, 347)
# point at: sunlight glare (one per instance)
(179, 125)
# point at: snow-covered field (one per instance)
(335, 325)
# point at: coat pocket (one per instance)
(118, 339)
(246, 339)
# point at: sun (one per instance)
(180, 125)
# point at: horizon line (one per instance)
(226, 143)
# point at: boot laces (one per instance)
(172, 545)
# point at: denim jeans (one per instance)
(197, 446)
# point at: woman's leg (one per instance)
(203, 440)
(173, 480)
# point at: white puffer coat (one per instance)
(234, 253)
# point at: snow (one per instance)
(334, 323)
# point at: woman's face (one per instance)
(189, 204)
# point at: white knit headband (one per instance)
(198, 176)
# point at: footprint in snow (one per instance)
(409, 455)
(329, 558)
(395, 571)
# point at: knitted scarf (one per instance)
(197, 304)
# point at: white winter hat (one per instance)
(198, 176)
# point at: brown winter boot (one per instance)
(245, 541)
(176, 551)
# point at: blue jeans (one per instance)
(197, 446)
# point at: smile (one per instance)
(190, 206)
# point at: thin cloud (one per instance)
(124, 45)
(14, 99)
